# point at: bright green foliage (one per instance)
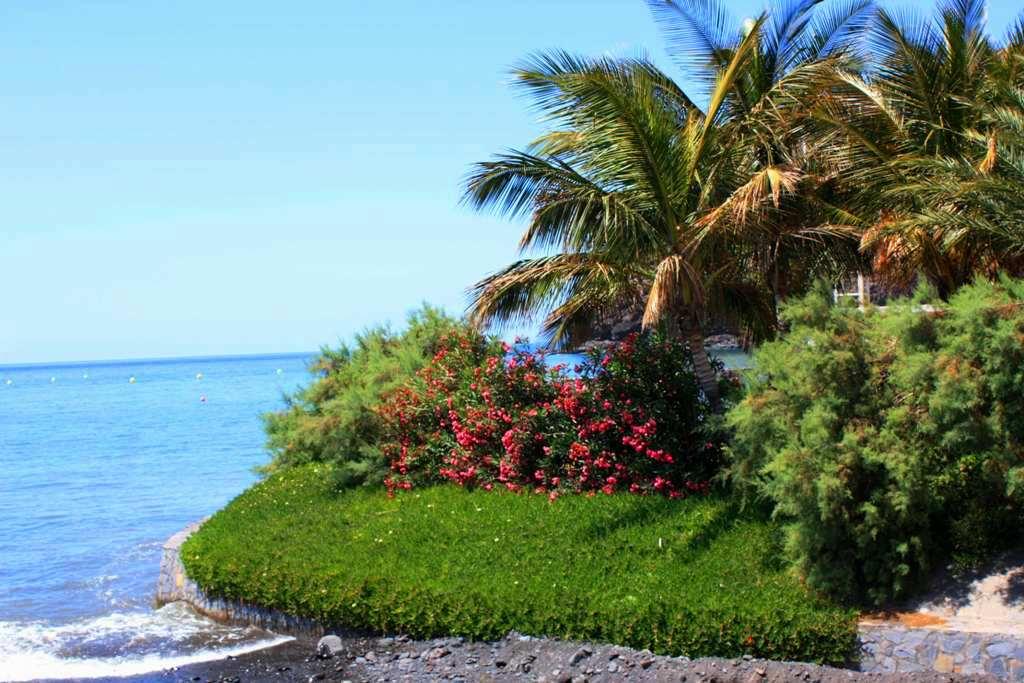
(333, 419)
(692, 576)
(887, 439)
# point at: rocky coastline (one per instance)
(887, 652)
(514, 658)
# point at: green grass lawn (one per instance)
(693, 577)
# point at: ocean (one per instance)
(99, 464)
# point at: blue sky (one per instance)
(195, 178)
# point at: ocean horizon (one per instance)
(155, 360)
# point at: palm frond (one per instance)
(676, 285)
(532, 286)
(764, 188)
(725, 82)
(838, 28)
(700, 35)
(787, 24)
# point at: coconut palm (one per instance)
(639, 194)
(915, 138)
(789, 213)
(612, 193)
(975, 199)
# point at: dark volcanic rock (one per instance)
(515, 658)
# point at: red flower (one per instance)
(476, 417)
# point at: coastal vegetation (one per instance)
(440, 481)
(694, 576)
(889, 441)
(334, 419)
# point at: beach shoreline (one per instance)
(515, 657)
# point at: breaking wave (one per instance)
(122, 644)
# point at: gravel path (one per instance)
(515, 658)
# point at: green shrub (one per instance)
(693, 576)
(888, 440)
(334, 418)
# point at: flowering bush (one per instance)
(487, 415)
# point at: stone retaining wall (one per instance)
(883, 648)
(174, 585)
(901, 649)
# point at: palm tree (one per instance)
(789, 214)
(915, 138)
(639, 194)
(612, 193)
(974, 199)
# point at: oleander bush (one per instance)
(334, 418)
(888, 441)
(484, 414)
(441, 401)
(695, 576)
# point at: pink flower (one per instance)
(578, 451)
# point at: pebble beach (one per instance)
(514, 658)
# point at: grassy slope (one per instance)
(688, 577)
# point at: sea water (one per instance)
(99, 464)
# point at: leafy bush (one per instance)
(485, 414)
(694, 577)
(889, 439)
(334, 418)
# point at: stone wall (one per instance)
(897, 648)
(174, 585)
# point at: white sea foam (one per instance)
(122, 644)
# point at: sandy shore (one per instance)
(518, 658)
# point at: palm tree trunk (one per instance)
(702, 365)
